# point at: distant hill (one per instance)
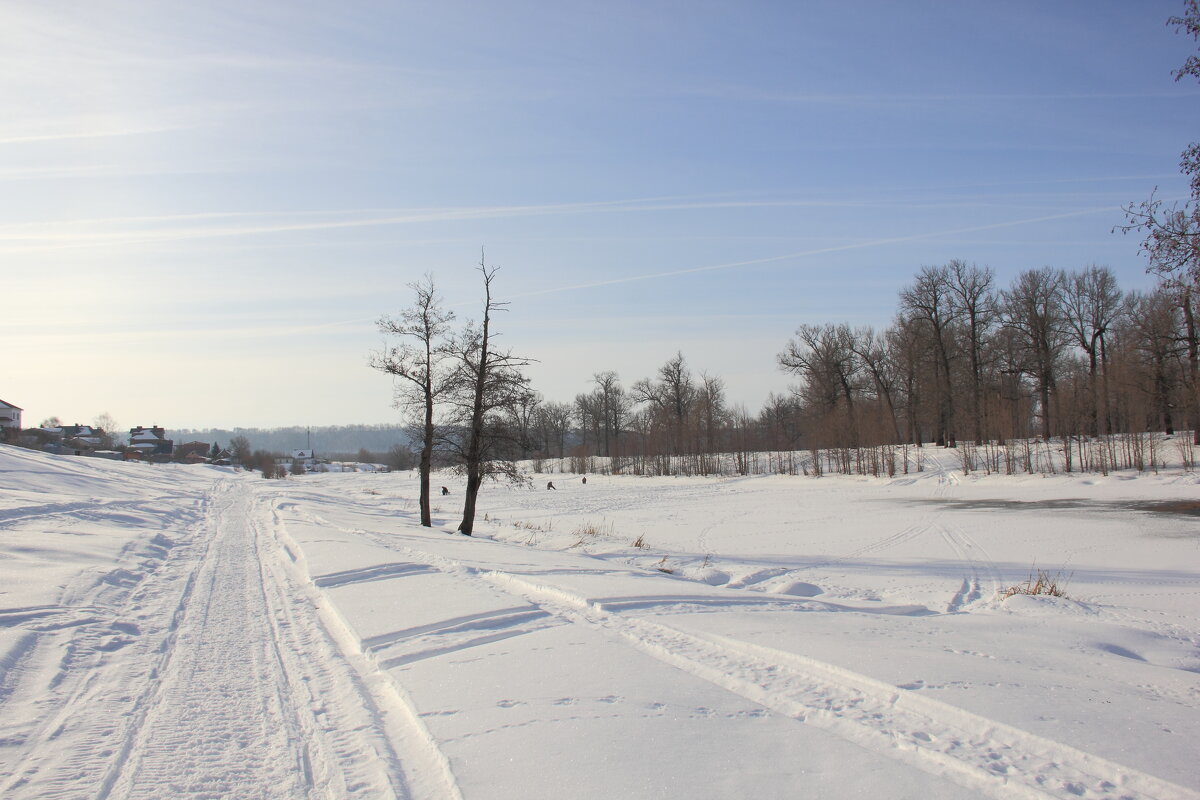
(324, 440)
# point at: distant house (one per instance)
(79, 446)
(10, 419)
(304, 458)
(151, 443)
(78, 431)
(192, 452)
(72, 440)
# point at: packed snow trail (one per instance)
(227, 681)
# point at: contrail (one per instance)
(785, 257)
(817, 251)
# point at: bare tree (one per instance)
(1091, 304)
(612, 406)
(589, 413)
(711, 409)
(1152, 328)
(1172, 231)
(554, 423)
(907, 346)
(108, 429)
(522, 421)
(929, 301)
(823, 357)
(780, 418)
(487, 381)
(974, 304)
(420, 363)
(1033, 309)
(239, 446)
(1188, 24)
(872, 352)
(670, 397)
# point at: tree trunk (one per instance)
(426, 467)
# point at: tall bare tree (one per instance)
(1091, 304)
(1152, 327)
(872, 351)
(929, 300)
(488, 380)
(974, 303)
(906, 345)
(670, 397)
(823, 357)
(612, 405)
(711, 408)
(420, 364)
(1033, 309)
(554, 423)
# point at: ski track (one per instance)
(982, 754)
(211, 673)
(979, 565)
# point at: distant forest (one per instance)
(325, 440)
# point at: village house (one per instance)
(304, 458)
(192, 452)
(10, 420)
(150, 444)
(72, 440)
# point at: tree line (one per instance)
(1057, 354)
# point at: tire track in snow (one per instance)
(256, 701)
(985, 755)
(418, 768)
(84, 707)
(212, 675)
(898, 538)
(982, 754)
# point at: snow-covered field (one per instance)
(170, 632)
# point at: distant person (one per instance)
(445, 491)
(550, 485)
(584, 480)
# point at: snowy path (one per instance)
(209, 673)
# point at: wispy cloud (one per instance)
(820, 251)
(145, 229)
(95, 134)
(876, 99)
(648, 276)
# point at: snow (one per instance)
(193, 631)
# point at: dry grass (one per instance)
(533, 526)
(588, 531)
(1040, 583)
(592, 530)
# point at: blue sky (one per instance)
(205, 206)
